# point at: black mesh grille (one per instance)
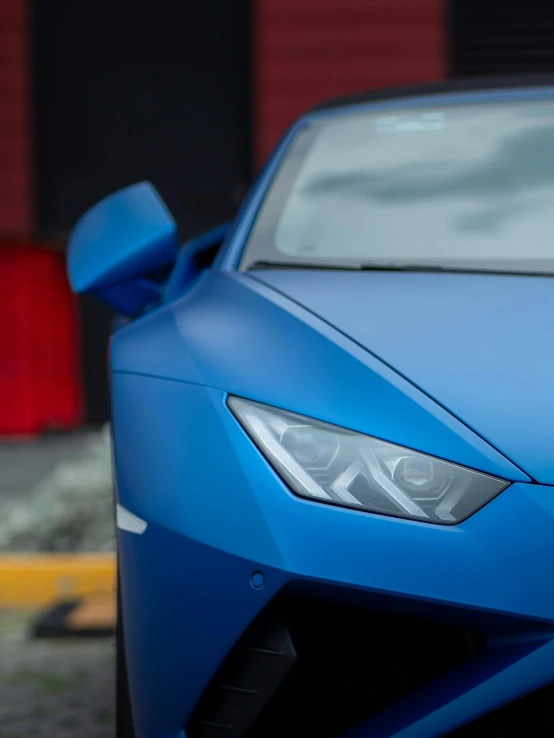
(348, 664)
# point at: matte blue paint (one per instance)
(214, 485)
(118, 241)
(236, 335)
(238, 491)
(455, 366)
(476, 343)
(175, 635)
(186, 267)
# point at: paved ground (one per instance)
(23, 463)
(54, 688)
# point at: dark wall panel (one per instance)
(491, 37)
(126, 91)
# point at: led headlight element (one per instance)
(331, 464)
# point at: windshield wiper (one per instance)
(364, 267)
(266, 264)
(400, 267)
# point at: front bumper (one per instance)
(212, 523)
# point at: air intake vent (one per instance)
(532, 715)
(339, 665)
(248, 678)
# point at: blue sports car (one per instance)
(333, 425)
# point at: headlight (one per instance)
(330, 464)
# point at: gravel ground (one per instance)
(24, 463)
(54, 688)
(70, 508)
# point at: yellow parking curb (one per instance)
(34, 580)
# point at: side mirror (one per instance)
(118, 246)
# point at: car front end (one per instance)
(333, 452)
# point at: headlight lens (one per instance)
(331, 464)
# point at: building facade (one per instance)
(192, 96)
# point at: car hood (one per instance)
(480, 345)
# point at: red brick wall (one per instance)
(307, 50)
(39, 368)
(15, 165)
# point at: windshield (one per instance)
(466, 186)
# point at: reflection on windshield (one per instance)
(519, 163)
(478, 187)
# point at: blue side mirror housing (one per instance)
(118, 246)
